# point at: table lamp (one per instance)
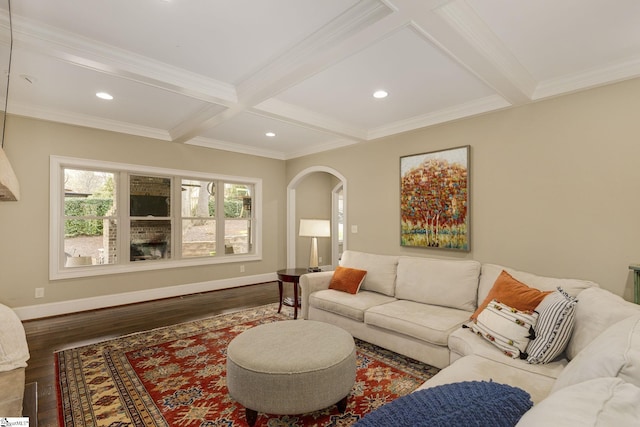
(314, 228)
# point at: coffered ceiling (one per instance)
(222, 73)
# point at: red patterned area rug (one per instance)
(175, 376)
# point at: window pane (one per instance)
(89, 193)
(149, 196)
(198, 238)
(237, 200)
(89, 233)
(150, 240)
(90, 248)
(198, 198)
(237, 234)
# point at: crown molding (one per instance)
(88, 53)
(595, 77)
(320, 148)
(77, 119)
(235, 148)
(472, 108)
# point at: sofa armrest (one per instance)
(310, 283)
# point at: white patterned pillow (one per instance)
(553, 329)
(505, 327)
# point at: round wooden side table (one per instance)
(291, 275)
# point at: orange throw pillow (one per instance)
(347, 279)
(513, 293)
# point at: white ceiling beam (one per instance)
(457, 30)
(356, 29)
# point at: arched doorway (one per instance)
(291, 211)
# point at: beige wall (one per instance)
(554, 191)
(313, 201)
(554, 186)
(24, 225)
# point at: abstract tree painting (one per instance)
(434, 199)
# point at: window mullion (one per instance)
(220, 227)
(123, 229)
(176, 217)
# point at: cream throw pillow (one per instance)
(505, 327)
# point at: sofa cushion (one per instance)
(614, 353)
(347, 279)
(490, 273)
(464, 342)
(381, 270)
(508, 329)
(599, 402)
(597, 310)
(478, 368)
(441, 282)
(352, 306)
(512, 292)
(453, 405)
(430, 323)
(553, 329)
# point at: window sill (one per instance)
(133, 267)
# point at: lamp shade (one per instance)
(315, 228)
(9, 188)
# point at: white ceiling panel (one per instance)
(221, 73)
(557, 38)
(250, 129)
(57, 85)
(222, 39)
(405, 65)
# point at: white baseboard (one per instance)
(93, 303)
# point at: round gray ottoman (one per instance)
(291, 367)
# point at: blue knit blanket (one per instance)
(464, 404)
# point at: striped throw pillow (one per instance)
(554, 327)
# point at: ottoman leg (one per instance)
(251, 416)
(342, 404)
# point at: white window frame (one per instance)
(57, 269)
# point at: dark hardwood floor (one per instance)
(45, 336)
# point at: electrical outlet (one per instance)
(354, 229)
(319, 260)
(39, 292)
(242, 268)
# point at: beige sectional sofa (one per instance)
(14, 354)
(416, 306)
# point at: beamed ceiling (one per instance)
(222, 73)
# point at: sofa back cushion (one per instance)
(490, 273)
(597, 310)
(614, 353)
(381, 270)
(598, 402)
(440, 282)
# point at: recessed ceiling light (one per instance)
(270, 134)
(104, 95)
(380, 94)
